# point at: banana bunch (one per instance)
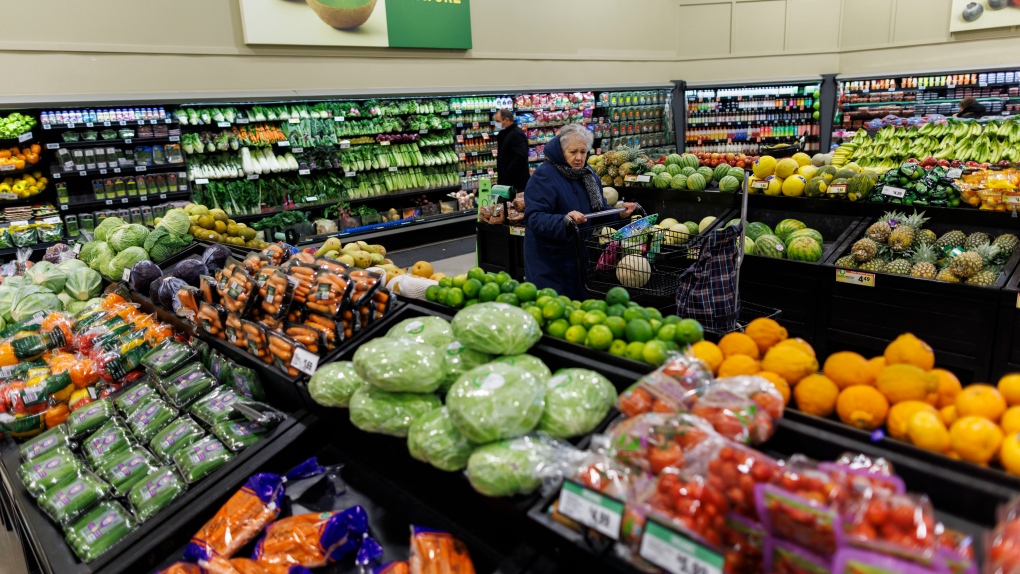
(844, 152)
(955, 139)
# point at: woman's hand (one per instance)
(628, 209)
(577, 217)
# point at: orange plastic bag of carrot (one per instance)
(438, 552)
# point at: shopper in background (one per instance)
(512, 152)
(560, 192)
(970, 108)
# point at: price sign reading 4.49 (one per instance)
(855, 277)
(594, 510)
(677, 553)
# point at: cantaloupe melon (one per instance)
(633, 271)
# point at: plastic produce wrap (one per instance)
(897, 524)
(110, 439)
(859, 475)
(239, 435)
(434, 331)
(212, 318)
(956, 550)
(216, 407)
(744, 539)
(215, 256)
(604, 474)
(277, 294)
(333, 384)
(576, 401)
(529, 363)
(496, 328)
(127, 468)
(186, 385)
(129, 401)
(247, 383)
(782, 556)
(164, 289)
(56, 468)
(178, 434)
(758, 389)
(238, 292)
(734, 416)
(519, 466)
(379, 411)
(400, 365)
(653, 442)
(311, 540)
(433, 438)
(167, 358)
(851, 560)
(220, 366)
(670, 388)
(1002, 544)
(459, 360)
(282, 349)
(369, 555)
(800, 506)
(438, 552)
(257, 340)
(329, 294)
(735, 470)
(494, 402)
(200, 458)
(313, 339)
(99, 529)
(149, 497)
(143, 274)
(65, 503)
(261, 413)
(689, 503)
(57, 436)
(150, 418)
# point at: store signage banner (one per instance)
(967, 15)
(362, 23)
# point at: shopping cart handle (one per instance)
(604, 213)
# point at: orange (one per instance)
(816, 395)
(1009, 454)
(738, 344)
(1010, 422)
(876, 364)
(975, 439)
(847, 369)
(800, 344)
(949, 414)
(780, 383)
(908, 349)
(949, 387)
(739, 365)
(708, 352)
(905, 383)
(765, 332)
(862, 407)
(789, 362)
(1009, 386)
(900, 415)
(982, 401)
(926, 431)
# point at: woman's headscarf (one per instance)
(554, 155)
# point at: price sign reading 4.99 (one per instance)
(594, 510)
(677, 553)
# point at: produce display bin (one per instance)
(497, 250)
(958, 320)
(149, 542)
(1006, 356)
(682, 204)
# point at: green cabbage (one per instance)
(131, 235)
(433, 331)
(88, 251)
(176, 221)
(7, 292)
(434, 439)
(576, 401)
(74, 307)
(71, 265)
(332, 385)
(495, 401)
(124, 260)
(64, 299)
(496, 328)
(533, 365)
(106, 227)
(14, 281)
(161, 243)
(518, 466)
(47, 275)
(30, 299)
(101, 256)
(459, 360)
(400, 365)
(378, 411)
(83, 284)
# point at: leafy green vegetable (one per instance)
(71, 265)
(496, 328)
(32, 298)
(400, 365)
(106, 227)
(576, 401)
(375, 410)
(176, 221)
(83, 284)
(124, 260)
(517, 466)
(88, 251)
(459, 360)
(332, 385)
(48, 275)
(101, 256)
(495, 401)
(7, 292)
(434, 439)
(533, 365)
(434, 331)
(131, 235)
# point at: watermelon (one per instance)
(816, 187)
(662, 180)
(845, 173)
(737, 173)
(658, 168)
(706, 172)
(720, 171)
(679, 181)
(859, 187)
(688, 170)
(694, 228)
(696, 182)
(673, 159)
(672, 168)
(689, 160)
(729, 183)
(788, 226)
(804, 249)
(748, 244)
(732, 223)
(769, 246)
(756, 229)
(807, 232)
(826, 172)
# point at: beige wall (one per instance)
(127, 48)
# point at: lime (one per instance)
(635, 313)
(577, 317)
(508, 286)
(441, 295)
(558, 328)
(639, 331)
(455, 298)
(615, 310)
(509, 299)
(672, 347)
(527, 304)
(537, 314)
(576, 334)
(600, 337)
(592, 318)
(476, 273)
(670, 320)
(502, 277)
(594, 305)
(460, 280)
(490, 277)
(488, 292)
(666, 333)
(548, 292)
(635, 351)
(472, 287)
(526, 291)
(446, 282)
(617, 296)
(431, 293)
(618, 347)
(653, 313)
(544, 300)
(617, 325)
(655, 352)
(566, 301)
(656, 325)
(553, 310)
(631, 304)
(470, 302)
(688, 331)
(575, 304)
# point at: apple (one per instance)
(956, 163)
(912, 160)
(944, 162)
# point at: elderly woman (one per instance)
(563, 189)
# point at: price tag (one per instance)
(345, 144)
(26, 136)
(83, 173)
(312, 199)
(102, 172)
(126, 276)
(70, 126)
(127, 141)
(201, 180)
(253, 176)
(47, 127)
(305, 361)
(144, 198)
(294, 121)
(338, 118)
(163, 195)
(141, 168)
(175, 138)
(495, 153)
(116, 170)
(474, 153)
(283, 143)
(123, 200)
(7, 167)
(77, 248)
(838, 189)
(8, 196)
(109, 202)
(591, 509)
(304, 171)
(644, 178)
(153, 122)
(223, 124)
(297, 149)
(350, 173)
(241, 121)
(519, 232)
(444, 113)
(855, 277)
(23, 223)
(677, 553)
(893, 191)
(122, 122)
(63, 207)
(106, 124)
(393, 168)
(52, 146)
(423, 131)
(954, 173)
(474, 125)
(385, 142)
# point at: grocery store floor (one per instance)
(12, 561)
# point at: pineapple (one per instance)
(947, 275)
(967, 264)
(954, 238)
(873, 265)
(606, 180)
(924, 259)
(618, 181)
(880, 230)
(1007, 244)
(902, 238)
(613, 171)
(984, 278)
(625, 169)
(864, 250)
(898, 267)
(847, 262)
(975, 240)
(926, 236)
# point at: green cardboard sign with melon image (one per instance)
(441, 24)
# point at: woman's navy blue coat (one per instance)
(550, 257)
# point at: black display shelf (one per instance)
(100, 125)
(121, 170)
(319, 205)
(29, 168)
(127, 201)
(37, 247)
(116, 141)
(1006, 356)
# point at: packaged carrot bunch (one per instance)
(311, 540)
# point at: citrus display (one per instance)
(738, 344)
(862, 407)
(709, 353)
(779, 382)
(908, 349)
(1009, 386)
(982, 401)
(790, 363)
(816, 395)
(926, 431)
(847, 369)
(738, 365)
(975, 439)
(900, 415)
(765, 332)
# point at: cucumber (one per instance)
(150, 418)
(216, 407)
(202, 348)
(149, 497)
(99, 529)
(201, 458)
(56, 468)
(167, 357)
(175, 436)
(103, 444)
(89, 418)
(127, 469)
(65, 503)
(220, 367)
(187, 385)
(239, 435)
(247, 384)
(131, 400)
(46, 442)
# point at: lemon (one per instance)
(926, 431)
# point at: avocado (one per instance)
(343, 14)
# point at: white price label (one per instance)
(304, 172)
(83, 173)
(102, 172)
(7, 167)
(175, 138)
(116, 170)
(253, 176)
(385, 142)
(23, 223)
(56, 176)
(8, 196)
(52, 146)
(141, 168)
(345, 144)
(393, 168)
(223, 124)
(201, 181)
(423, 131)
(954, 173)
(70, 126)
(677, 553)
(297, 149)
(126, 276)
(350, 173)
(305, 361)
(109, 202)
(283, 143)
(122, 122)
(77, 248)
(63, 207)
(143, 198)
(892, 191)
(294, 121)
(25, 137)
(106, 124)
(123, 200)
(241, 120)
(51, 220)
(338, 118)
(127, 140)
(591, 509)
(162, 196)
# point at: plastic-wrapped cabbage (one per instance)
(70, 265)
(83, 284)
(459, 360)
(143, 274)
(106, 227)
(332, 385)
(162, 291)
(123, 260)
(130, 235)
(101, 256)
(520, 465)
(48, 275)
(14, 281)
(434, 439)
(495, 401)
(30, 299)
(533, 365)
(576, 401)
(496, 328)
(191, 270)
(433, 331)
(375, 410)
(400, 365)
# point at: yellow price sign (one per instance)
(855, 277)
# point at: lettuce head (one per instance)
(495, 401)
(533, 365)
(106, 227)
(333, 384)
(379, 411)
(400, 365)
(459, 360)
(433, 331)
(433, 438)
(576, 401)
(496, 328)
